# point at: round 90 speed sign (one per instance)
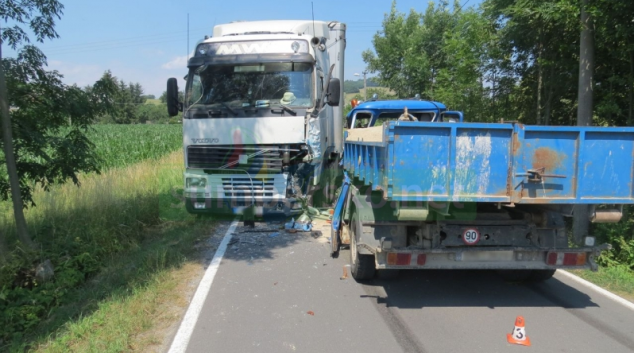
(471, 236)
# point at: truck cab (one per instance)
(375, 112)
(260, 114)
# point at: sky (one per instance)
(145, 41)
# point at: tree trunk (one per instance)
(585, 105)
(630, 115)
(14, 181)
(539, 83)
(538, 114)
(549, 96)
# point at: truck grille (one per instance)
(244, 187)
(268, 159)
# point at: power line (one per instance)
(463, 5)
(154, 35)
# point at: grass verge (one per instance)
(120, 245)
(133, 304)
(617, 279)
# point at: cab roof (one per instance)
(399, 104)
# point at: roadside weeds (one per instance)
(140, 290)
(616, 279)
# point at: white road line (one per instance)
(179, 345)
(596, 288)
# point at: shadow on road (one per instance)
(461, 288)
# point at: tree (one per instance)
(39, 16)
(399, 61)
(440, 54)
(163, 97)
(44, 132)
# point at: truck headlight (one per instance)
(195, 182)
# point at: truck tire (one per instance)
(361, 266)
(541, 275)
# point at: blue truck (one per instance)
(425, 190)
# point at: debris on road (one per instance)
(247, 240)
(310, 313)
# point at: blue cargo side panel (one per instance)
(482, 163)
(555, 152)
(607, 165)
(474, 162)
(421, 162)
(434, 161)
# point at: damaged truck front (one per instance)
(260, 116)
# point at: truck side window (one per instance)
(362, 120)
(389, 116)
(196, 91)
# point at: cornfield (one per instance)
(122, 145)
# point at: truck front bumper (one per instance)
(235, 194)
(202, 205)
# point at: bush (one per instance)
(620, 237)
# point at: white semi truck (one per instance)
(262, 124)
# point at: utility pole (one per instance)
(187, 36)
(365, 85)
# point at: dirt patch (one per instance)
(172, 306)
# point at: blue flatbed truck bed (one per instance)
(430, 193)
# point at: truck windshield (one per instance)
(251, 85)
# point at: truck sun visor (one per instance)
(249, 58)
(252, 47)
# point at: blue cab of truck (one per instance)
(375, 112)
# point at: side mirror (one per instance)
(173, 105)
(334, 92)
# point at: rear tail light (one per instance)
(399, 259)
(566, 259)
(422, 258)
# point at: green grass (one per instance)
(122, 145)
(107, 240)
(616, 279)
(153, 101)
(349, 96)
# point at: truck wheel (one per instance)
(540, 275)
(361, 266)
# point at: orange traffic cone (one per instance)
(518, 336)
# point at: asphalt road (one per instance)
(284, 293)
